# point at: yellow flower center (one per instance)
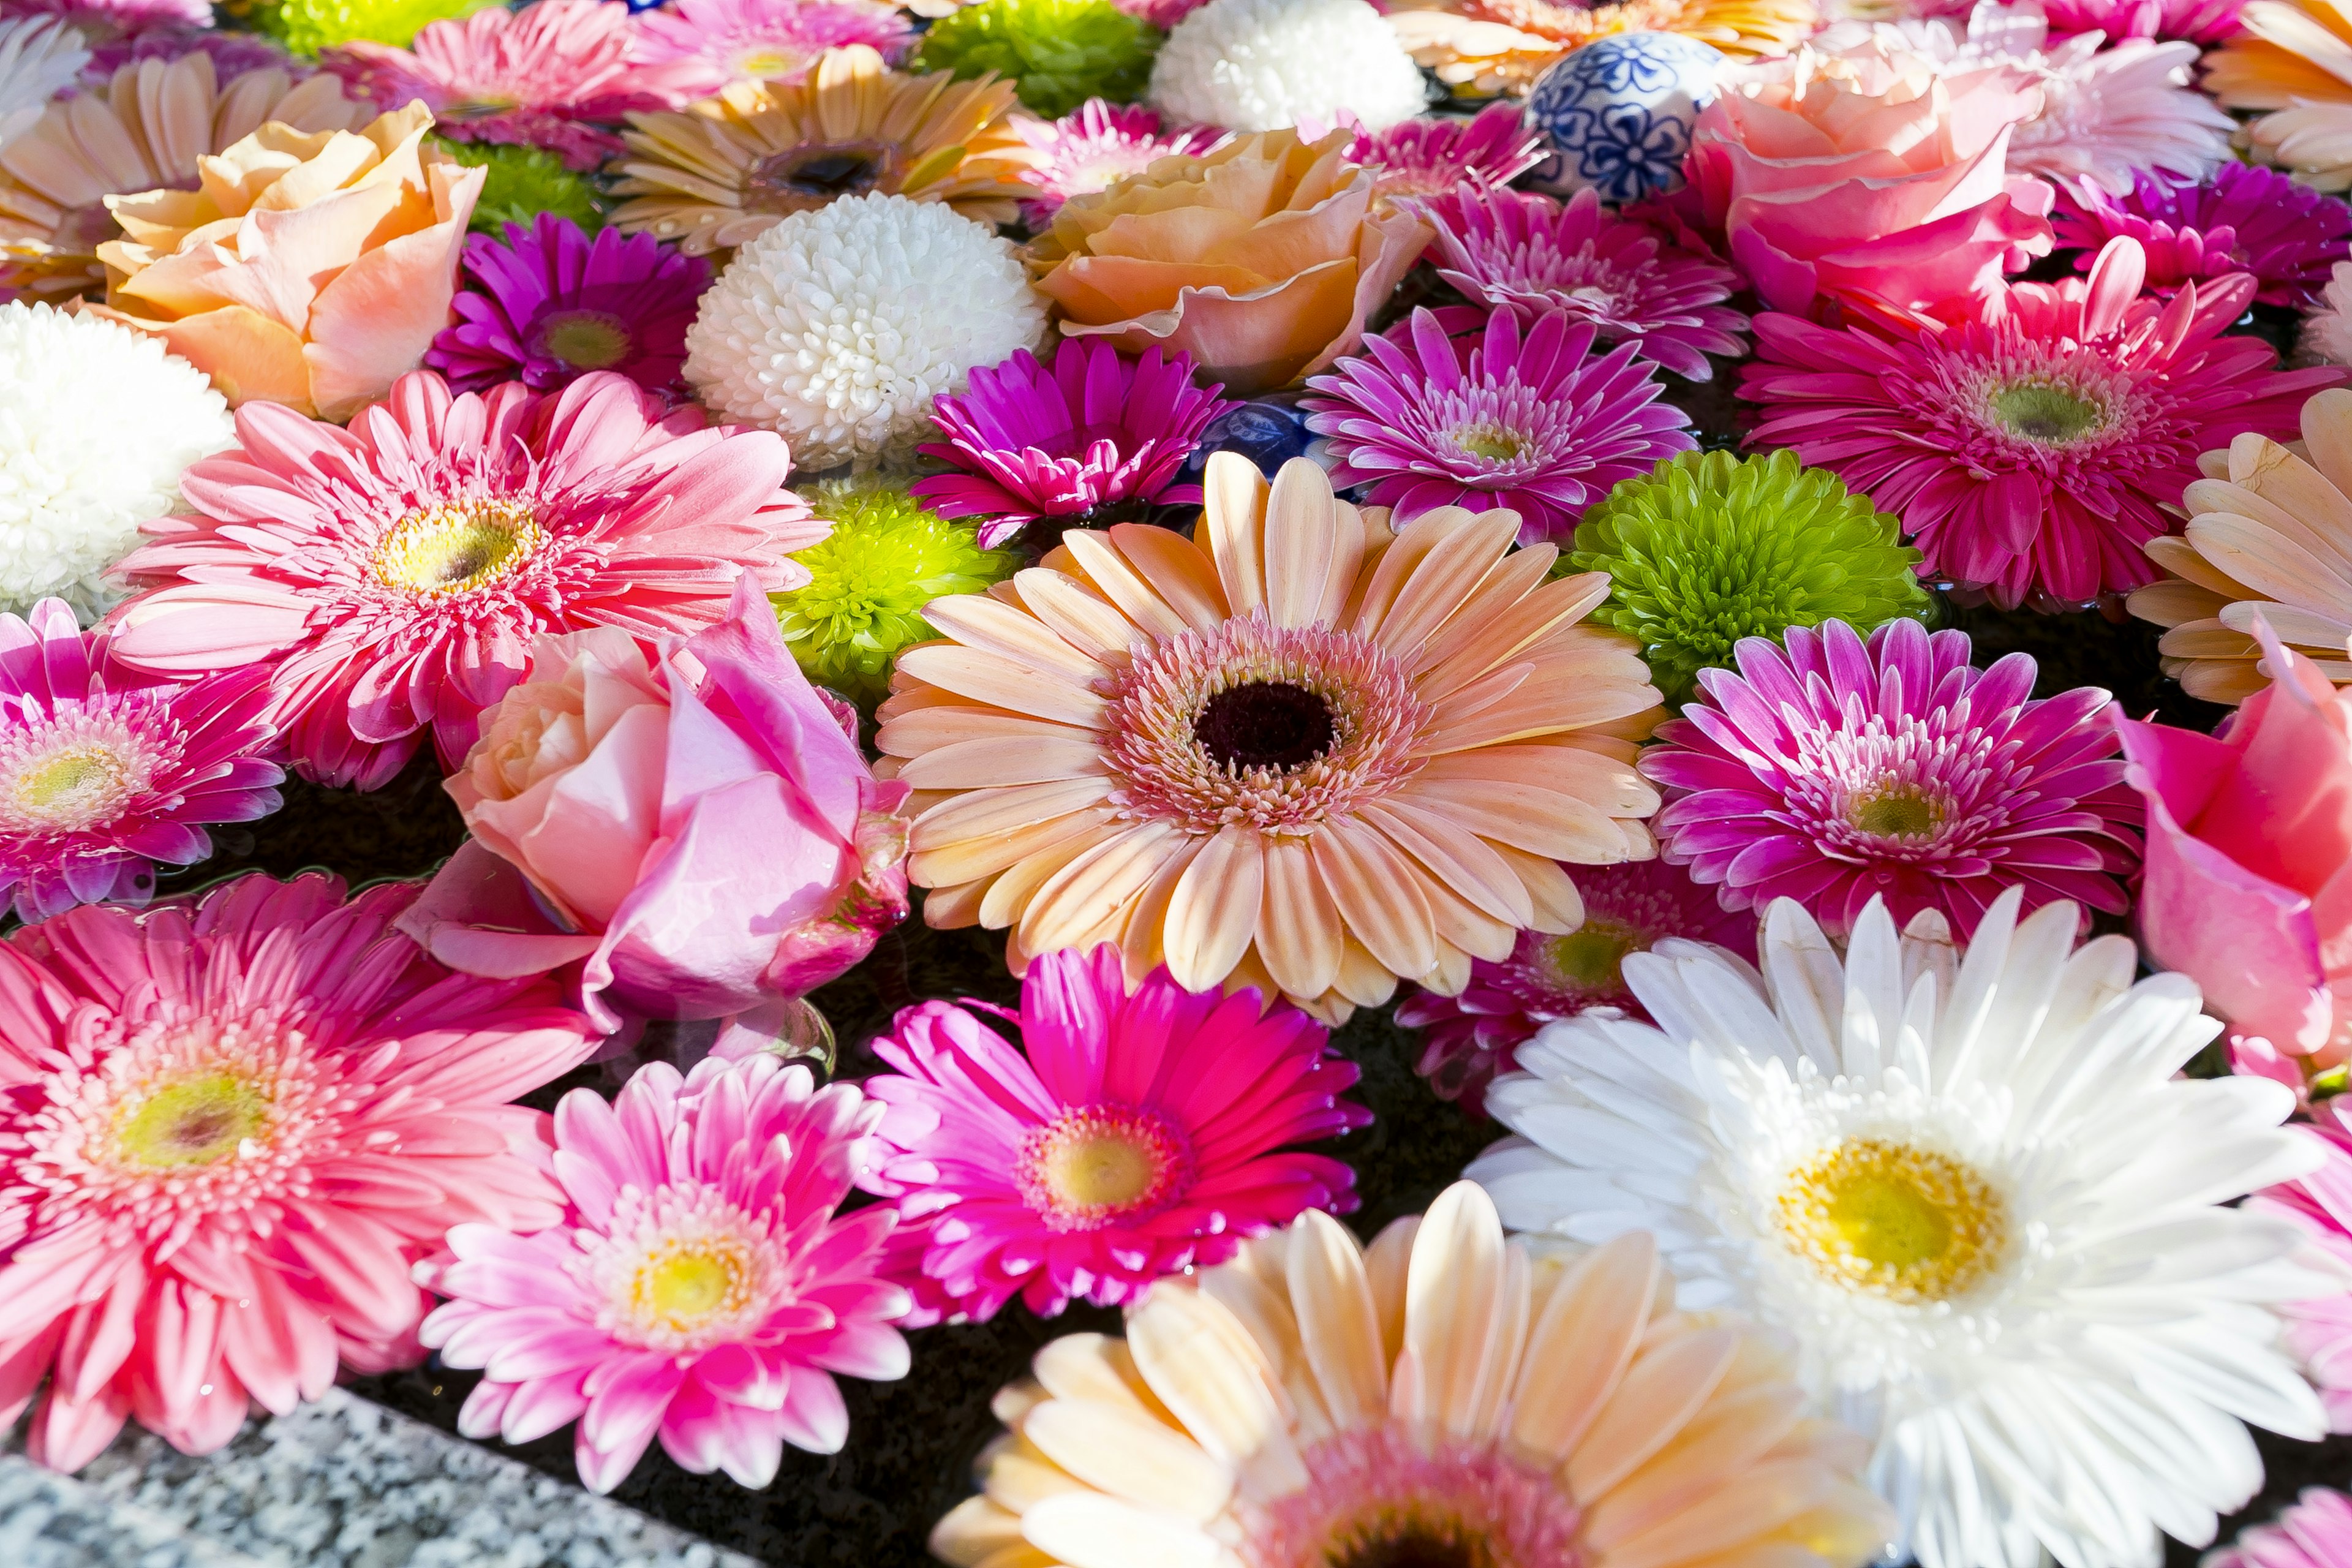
(1091, 1167)
(1492, 442)
(1898, 810)
(457, 546)
(75, 786)
(1898, 1221)
(766, 62)
(680, 1288)
(200, 1120)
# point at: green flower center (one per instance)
(457, 546)
(586, 340)
(1898, 810)
(2045, 414)
(1592, 960)
(197, 1121)
(1491, 443)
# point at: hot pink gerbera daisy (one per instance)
(2316, 1532)
(706, 44)
(227, 1132)
(1833, 774)
(1470, 1038)
(2319, 1331)
(2032, 451)
(528, 78)
(1091, 440)
(1095, 146)
(1133, 1135)
(393, 575)
(1434, 156)
(1536, 426)
(2243, 219)
(1525, 253)
(2197, 21)
(700, 1286)
(104, 774)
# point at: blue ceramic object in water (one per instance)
(1618, 113)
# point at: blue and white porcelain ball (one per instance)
(1619, 112)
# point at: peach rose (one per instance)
(1866, 177)
(1262, 260)
(308, 268)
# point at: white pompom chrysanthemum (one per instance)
(1261, 65)
(97, 424)
(39, 55)
(837, 326)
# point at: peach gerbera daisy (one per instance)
(1444, 1397)
(725, 170)
(145, 131)
(2289, 60)
(1487, 47)
(1297, 752)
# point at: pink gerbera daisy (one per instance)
(1434, 156)
(1133, 1135)
(2197, 21)
(1833, 774)
(1470, 1038)
(528, 78)
(703, 44)
(2319, 1331)
(1094, 146)
(700, 1286)
(233, 54)
(393, 575)
(2032, 451)
(1092, 440)
(2243, 219)
(227, 1132)
(2316, 1532)
(105, 772)
(1525, 253)
(1536, 426)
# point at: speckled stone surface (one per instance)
(343, 1483)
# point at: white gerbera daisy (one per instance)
(39, 55)
(1263, 64)
(97, 424)
(839, 325)
(1972, 1189)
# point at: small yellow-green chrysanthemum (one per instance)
(1709, 548)
(886, 558)
(523, 183)
(1060, 52)
(306, 27)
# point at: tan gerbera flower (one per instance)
(719, 173)
(1443, 1397)
(145, 132)
(2269, 534)
(2291, 58)
(1488, 46)
(1295, 751)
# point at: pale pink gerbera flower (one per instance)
(2314, 1533)
(1433, 156)
(532, 78)
(700, 1286)
(1523, 252)
(706, 44)
(393, 575)
(1094, 146)
(227, 1132)
(1834, 773)
(1136, 1134)
(2319, 1331)
(104, 773)
(2032, 451)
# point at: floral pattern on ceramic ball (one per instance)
(1618, 113)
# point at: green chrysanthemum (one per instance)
(1061, 52)
(524, 181)
(306, 27)
(1709, 549)
(887, 557)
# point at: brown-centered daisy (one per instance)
(1295, 751)
(726, 171)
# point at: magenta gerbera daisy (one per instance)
(548, 304)
(105, 773)
(232, 54)
(1134, 1134)
(1833, 772)
(2032, 453)
(2243, 219)
(706, 44)
(1092, 440)
(532, 77)
(1536, 426)
(1094, 145)
(1527, 253)
(1468, 1039)
(227, 1132)
(701, 1288)
(393, 575)
(1433, 156)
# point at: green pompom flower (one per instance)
(1711, 549)
(887, 557)
(523, 183)
(306, 27)
(1061, 52)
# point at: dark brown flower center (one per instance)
(1264, 724)
(1412, 1544)
(812, 176)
